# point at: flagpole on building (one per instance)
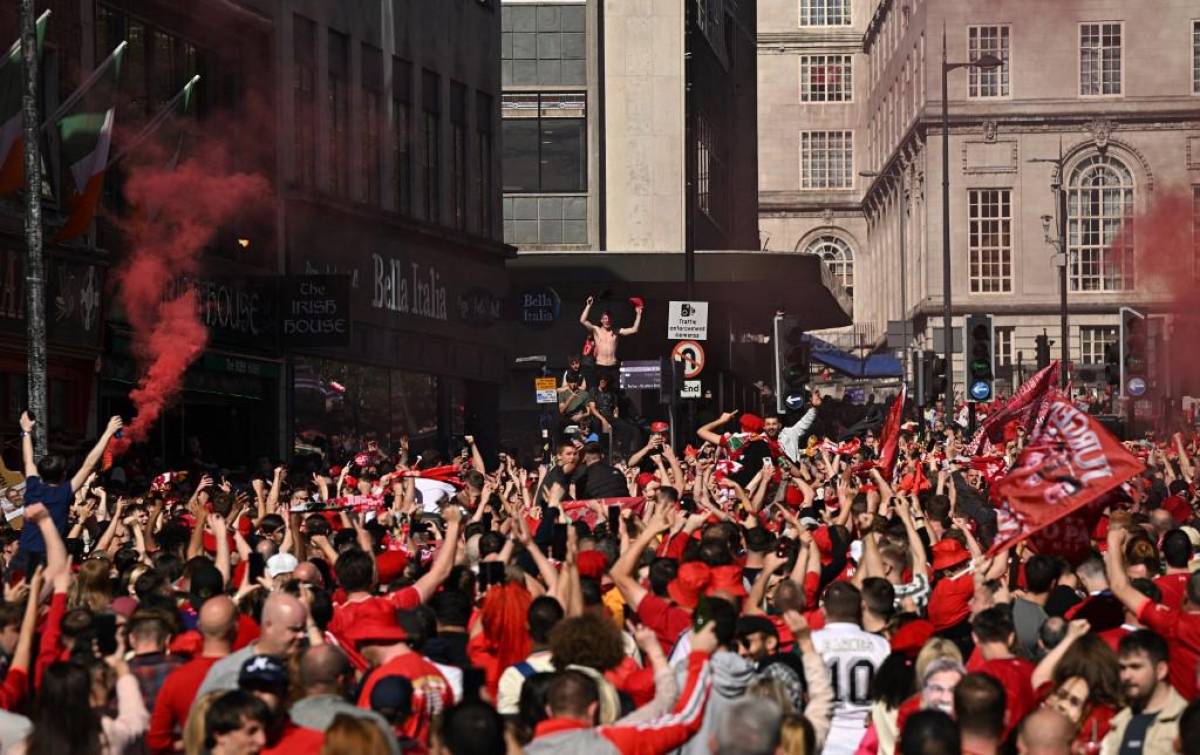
(159, 118)
(16, 46)
(35, 291)
(69, 103)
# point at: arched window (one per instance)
(837, 256)
(1100, 225)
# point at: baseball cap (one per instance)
(281, 563)
(392, 697)
(263, 671)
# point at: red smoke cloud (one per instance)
(178, 211)
(1166, 269)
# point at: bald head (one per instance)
(1045, 732)
(308, 573)
(283, 624)
(323, 667)
(218, 619)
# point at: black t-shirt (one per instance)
(601, 480)
(752, 461)
(1135, 734)
(557, 475)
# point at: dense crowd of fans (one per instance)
(762, 589)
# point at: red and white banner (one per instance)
(889, 436)
(1025, 407)
(583, 510)
(1071, 462)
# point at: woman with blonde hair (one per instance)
(92, 588)
(351, 735)
(193, 730)
(796, 735)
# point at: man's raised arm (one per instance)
(583, 317)
(93, 457)
(709, 432)
(637, 323)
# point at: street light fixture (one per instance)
(986, 62)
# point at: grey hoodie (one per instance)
(731, 675)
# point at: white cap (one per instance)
(281, 563)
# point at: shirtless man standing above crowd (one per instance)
(606, 340)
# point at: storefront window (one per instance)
(340, 400)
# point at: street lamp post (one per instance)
(987, 61)
(1059, 189)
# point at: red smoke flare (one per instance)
(178, 211)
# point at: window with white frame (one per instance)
(989, 240)
(826, 160)
(1100, 225)
(988, 40)
(824, 12)
(1003, 340)
(838, 258)
(825, 78)
(1196, 57)
(1092, 341)
(1100, 59)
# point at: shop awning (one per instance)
(874, 366)
(758, 282)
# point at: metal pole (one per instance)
(1062, 270)
(947, 318)
(35, 292)
(904, 269)
(689, 153)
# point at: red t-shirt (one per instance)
(1173, 588)
(174, 702)
(431, 692)
(375, 608)
(1015, 675)
(297, 740)
(1182, 633)
(950, 601)
(668, 621)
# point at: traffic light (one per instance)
(1112, 364)
(980, 358)
(922, 379)
(1043, 351)
(793, 354)
(1133, 353)
(937, 378)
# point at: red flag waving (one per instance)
(1071, 462)
(1022, 407)
(889, 436)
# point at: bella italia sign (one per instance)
(408, 288)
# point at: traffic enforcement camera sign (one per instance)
(688, 319)
(691, 353)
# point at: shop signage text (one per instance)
(479, 307)
(408, 288)
(540, 306)
(315, 310)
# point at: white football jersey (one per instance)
(852, 656)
